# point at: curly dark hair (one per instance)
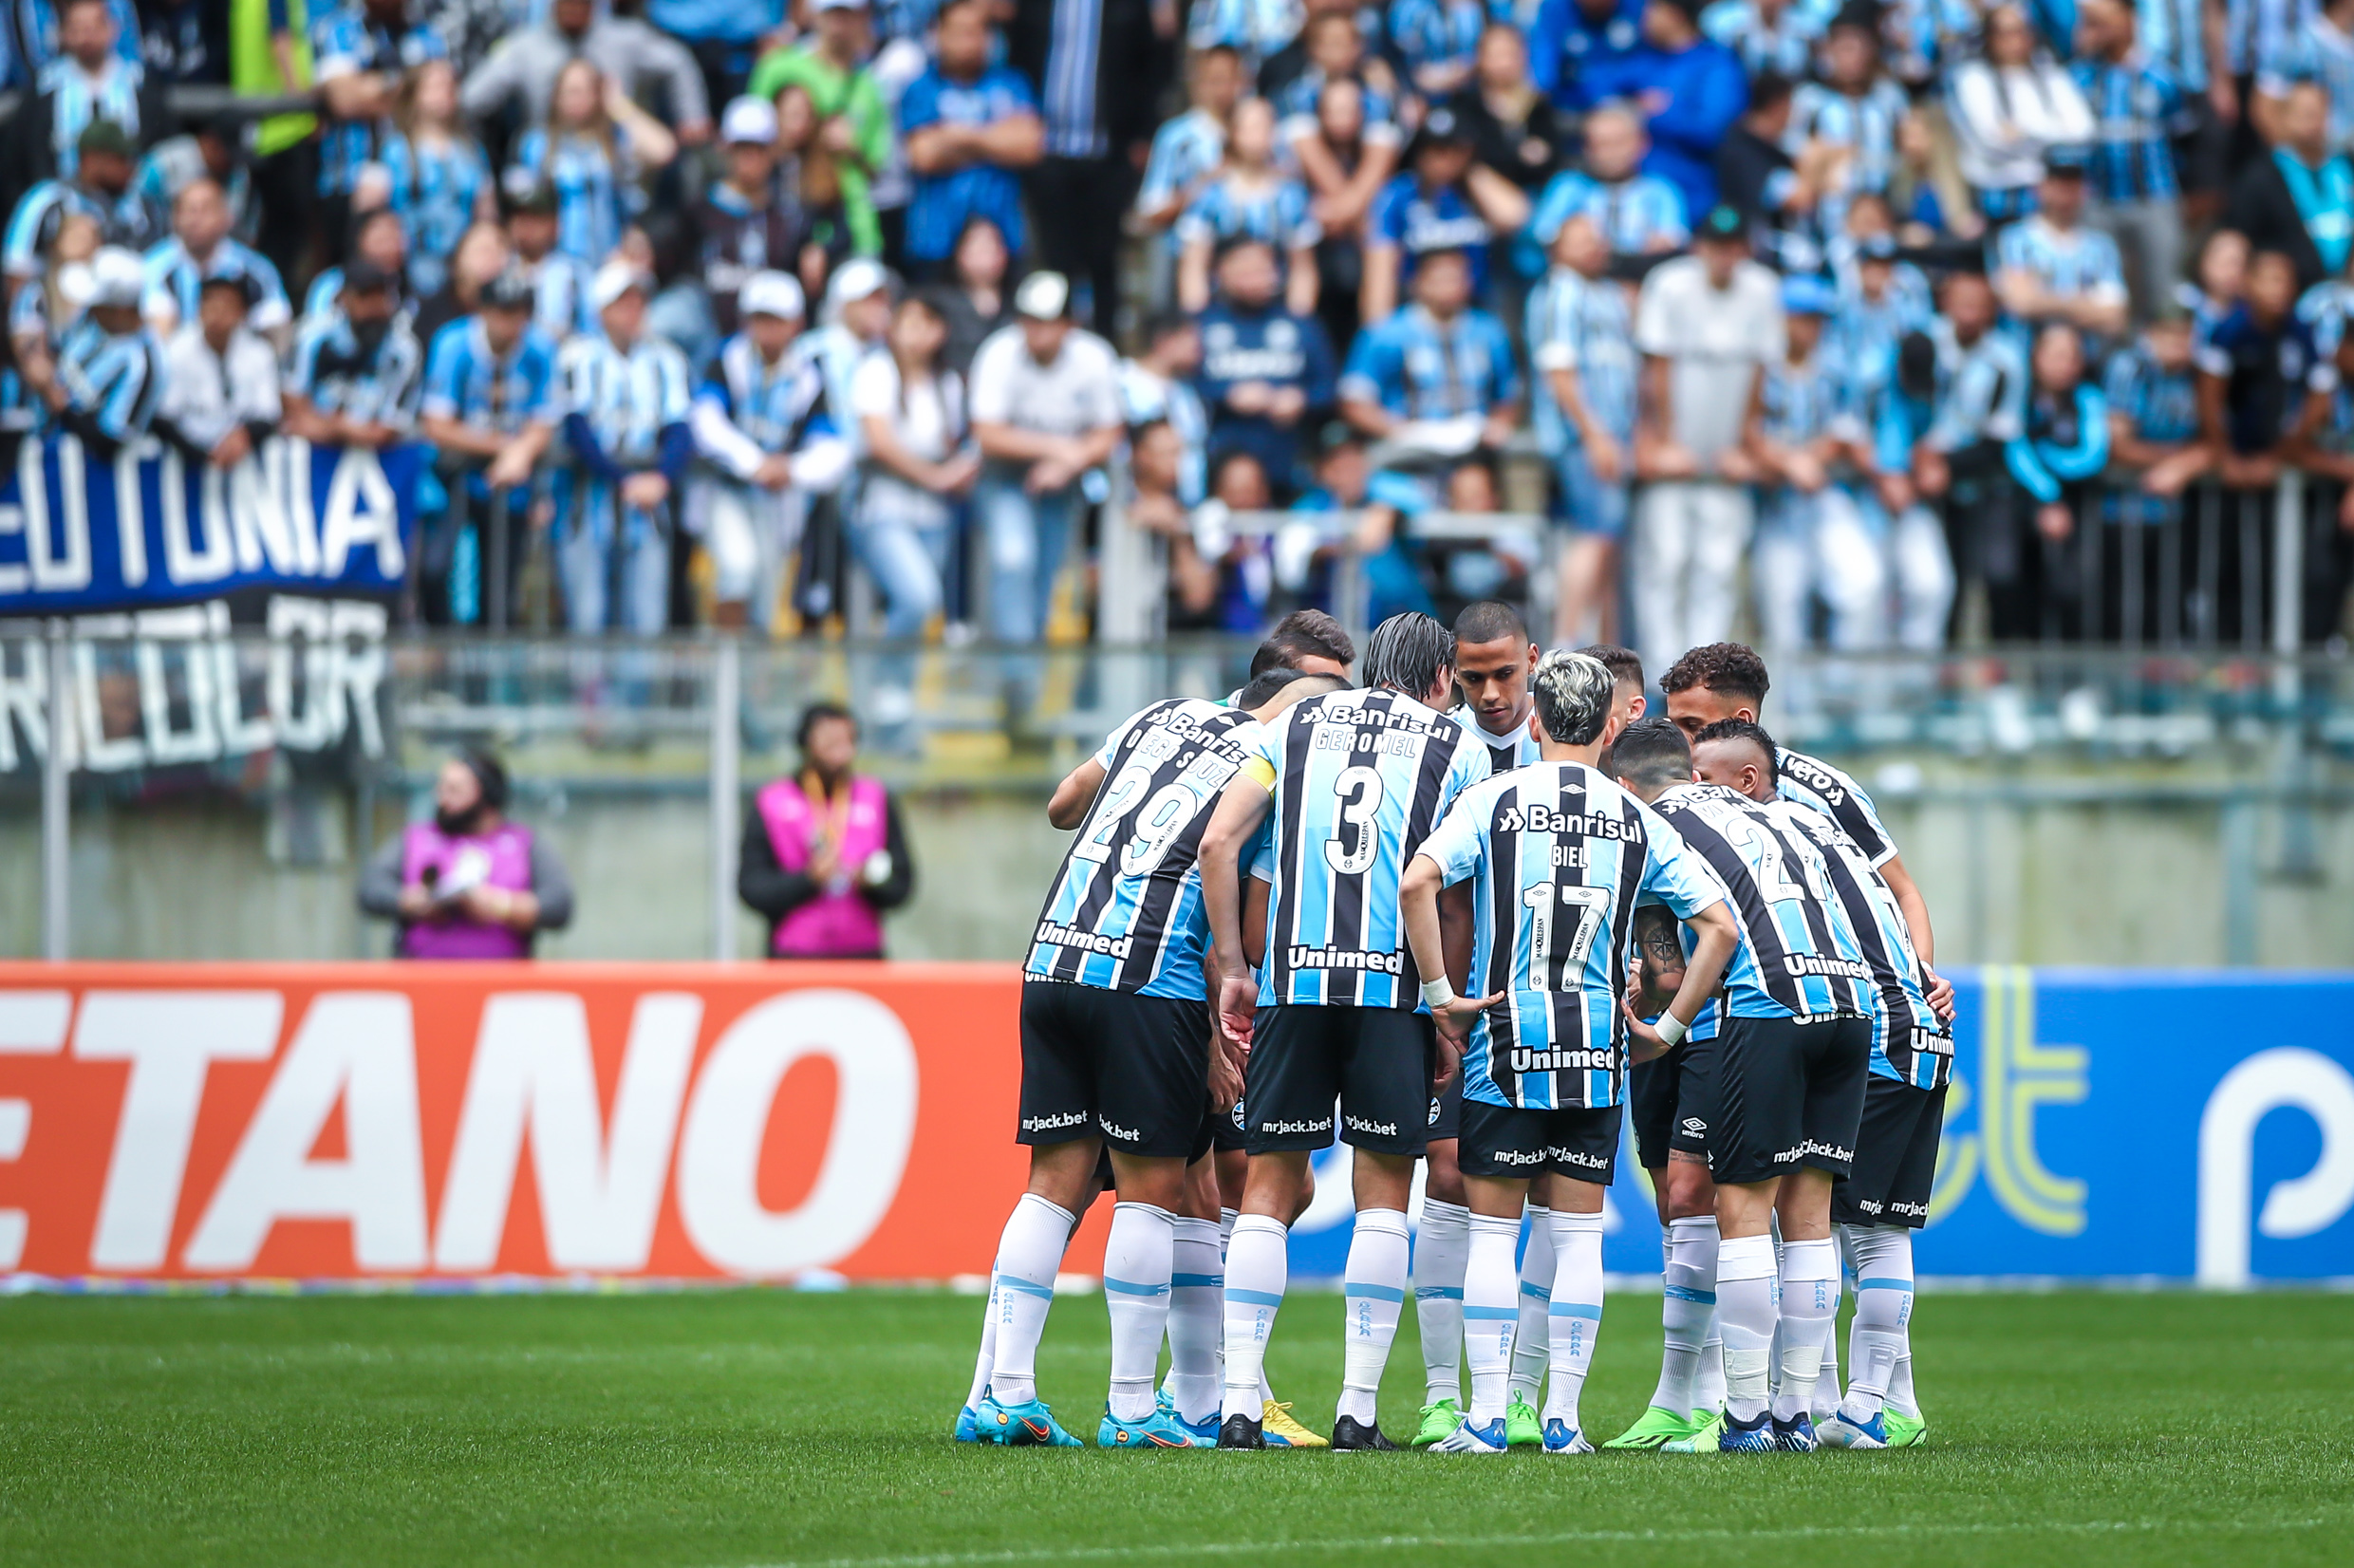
(1729, 669)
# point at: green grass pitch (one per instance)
(711, 1430)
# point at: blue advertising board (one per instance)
(2103, 1124)
(83, 536)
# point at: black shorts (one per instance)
(1671, 1099)
(1131, 1069)
(1447, 1110)
(2203, 152)
(1376, 1061)
(1499, 1140)
(1896, 1157)
(1788, 1093)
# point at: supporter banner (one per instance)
(78, 535)
(398, 1121)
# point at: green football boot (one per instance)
(1521, 1429)
(1703, 1438)
(1905, 1431)
(1439, 1420)
(1656, 1426)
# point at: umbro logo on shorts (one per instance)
(1435, 1111)
(1694, 1126)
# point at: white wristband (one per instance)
(1670, 1029)
(1438, 992)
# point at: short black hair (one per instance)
(1167, 325)
(1770, 90)
(1266, 686)
(1652, 751)
(1303, 634)
(817, 714)
(1743, 729)
(1485, 620)
(490, 775)
(1410, 652)
(1623, 664)
(1731, 669)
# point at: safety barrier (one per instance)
(470, 1123)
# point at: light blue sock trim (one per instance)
(1194, 1281)
(1127, 1287)
(1256, 1298)
(1490, 1315)
(1023, 1287)
(1590, 1310)
(1885, 1282)
(1684, 1293)
(1377, 1293)
(1438, 1292)
(1538, 1290)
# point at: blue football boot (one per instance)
(1027, 1426)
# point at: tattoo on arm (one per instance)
(1662, 951)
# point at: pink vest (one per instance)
(837, 922)
(508, 850)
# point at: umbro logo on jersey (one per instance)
(1383, 1129)
(1050, 1124)
(1694, 1126)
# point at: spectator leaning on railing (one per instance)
(467, 883)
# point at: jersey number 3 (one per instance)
(1350, 851)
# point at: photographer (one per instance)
(467, 883)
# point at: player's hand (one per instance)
(1450, 1058)
(1458, 1017)
(1940, 996)
(1238, 1007)
(1225, 1075)
(1647, 1045)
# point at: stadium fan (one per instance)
(920, 462)
(1582, 351)
(438, 178)
(220, 378)
(467, 883)
(825, 853)
(355, 377)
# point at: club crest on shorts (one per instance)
(1435, 1111)
(1242, 1123)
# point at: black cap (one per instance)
(510, 291)
(526, 193)
(104, 136)
(363, 276)
(1441, 125)
(1722, 222)
(2070, 160)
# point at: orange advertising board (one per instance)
(473, 1121)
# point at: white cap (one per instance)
(1043, 296)
(116, 276)
(856, 279)
(772, 294)
(748, 119)
(614, 279)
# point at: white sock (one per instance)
(1575, 1318)
(1138, 1260)
(984, 1364)
(1374, 1290)
(1826, 1397)
(1226, 1217)
(1879, 1340)
(1530, 1342)
(1688, 1302)
(1491, 1312)
(1196, 1296)
(1746, 1313)
(1900, 1396)
(1709, 1383)
(1442, 1250)
(1809, 1307)
(1258, 1262)
(1029, 1254)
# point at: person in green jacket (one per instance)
(854, 125)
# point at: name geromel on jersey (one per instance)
(1123, 911)
(1908, 1042)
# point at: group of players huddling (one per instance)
(1266, 914)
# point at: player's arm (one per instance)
(1915, 907)
(1068, 809)
(1418, 904)
(1255, 919)
(1715, 939)
(1658, 959)
(1241, 810)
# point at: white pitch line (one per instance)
(1571, 1538)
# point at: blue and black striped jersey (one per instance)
(1557, 856)
(1799, 955)
(1125, 913)
(1811, 781)
(1519, 749)
(1909, 1043)
(1360, 779)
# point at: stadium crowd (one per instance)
(719, 303)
